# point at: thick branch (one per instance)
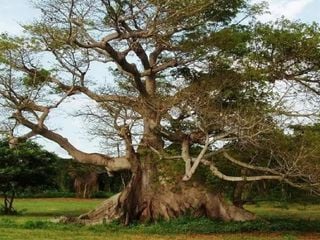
(192, 169)
(14, 141)
(216, 172)
(120, 60)
(249, 166)
(186, 155)
(99, 98)
(112, 164)
(159, 68)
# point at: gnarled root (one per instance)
(167, 205)
(192, 201)
(108, 211)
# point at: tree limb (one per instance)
(113, 164)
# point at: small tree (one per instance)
(26, 167)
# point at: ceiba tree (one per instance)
(191, 77)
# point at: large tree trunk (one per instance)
(151, 196)
(156, 191)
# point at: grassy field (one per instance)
(278, 221)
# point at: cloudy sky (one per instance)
(16, 12)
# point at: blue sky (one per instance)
(13, 12)
(305, 10)
(16, 12)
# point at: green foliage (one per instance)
(7, 44)
(276, 44)
(231, 40)
(27, 165)
(58, 36)
(37, 78)
(25, 168)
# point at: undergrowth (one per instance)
(181, 225)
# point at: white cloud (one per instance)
(287, 8)
(15, 12)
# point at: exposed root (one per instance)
(192, 201)
(167, 205)
(105, 213)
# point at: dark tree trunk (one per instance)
(241, 192)
(237, 198)
(8, 203)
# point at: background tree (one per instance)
(188, 73)
(72, 177)
(294, 154)
(25, 168)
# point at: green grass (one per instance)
(289, 222)
(46, 208)
(283, 210)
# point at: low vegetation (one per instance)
(292, 221)
(174, 91)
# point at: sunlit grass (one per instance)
(283, 210)
(304, 220)
(46, 208)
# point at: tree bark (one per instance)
(8, 203)
(156, 192)
(163, 203)
(241, 191)
(237, 197)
